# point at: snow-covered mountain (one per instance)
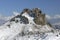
(23, 27)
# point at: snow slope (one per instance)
(20, 31)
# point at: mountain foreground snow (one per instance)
(19, 31)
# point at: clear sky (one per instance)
(50, 7)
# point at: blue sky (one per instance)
(50, 7)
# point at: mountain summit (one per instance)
(28, 25)
(33, 15)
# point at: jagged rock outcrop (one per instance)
(40, 20)
(39, 17)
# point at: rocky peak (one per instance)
(36, 10)
(39, 17)
(36, 13)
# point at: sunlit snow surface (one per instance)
(14, 32)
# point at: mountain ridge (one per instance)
(23, 27)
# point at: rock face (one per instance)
(39, 17)
(40, 20)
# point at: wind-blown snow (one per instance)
(13, 31)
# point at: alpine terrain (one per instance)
(30, 24)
